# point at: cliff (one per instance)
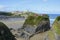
(35, 24)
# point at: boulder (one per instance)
(35, 24)
(5, 33)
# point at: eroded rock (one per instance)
(5, 33)
(36, 24)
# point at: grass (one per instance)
(57, 29)
(56, 25)
(32, 20)
(35, 20)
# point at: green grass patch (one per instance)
(32, 20)
(35, 20)
(57, 29)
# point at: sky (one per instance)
(38, 6)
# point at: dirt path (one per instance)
(40, 36)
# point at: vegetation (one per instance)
(29, 13)
(56, 25)
(31, 20)
(58, 18)
(6, 13)
(35, 19)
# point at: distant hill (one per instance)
(6, 13)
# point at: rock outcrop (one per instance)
(35, 24)
(5, 33)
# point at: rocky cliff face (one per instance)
(43, 26)
(35, 24)
(5, 33)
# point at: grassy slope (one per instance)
(34, 19)
(56, 25)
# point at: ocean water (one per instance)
(53, 17)
(51, 21)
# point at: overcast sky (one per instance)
(39, 6)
